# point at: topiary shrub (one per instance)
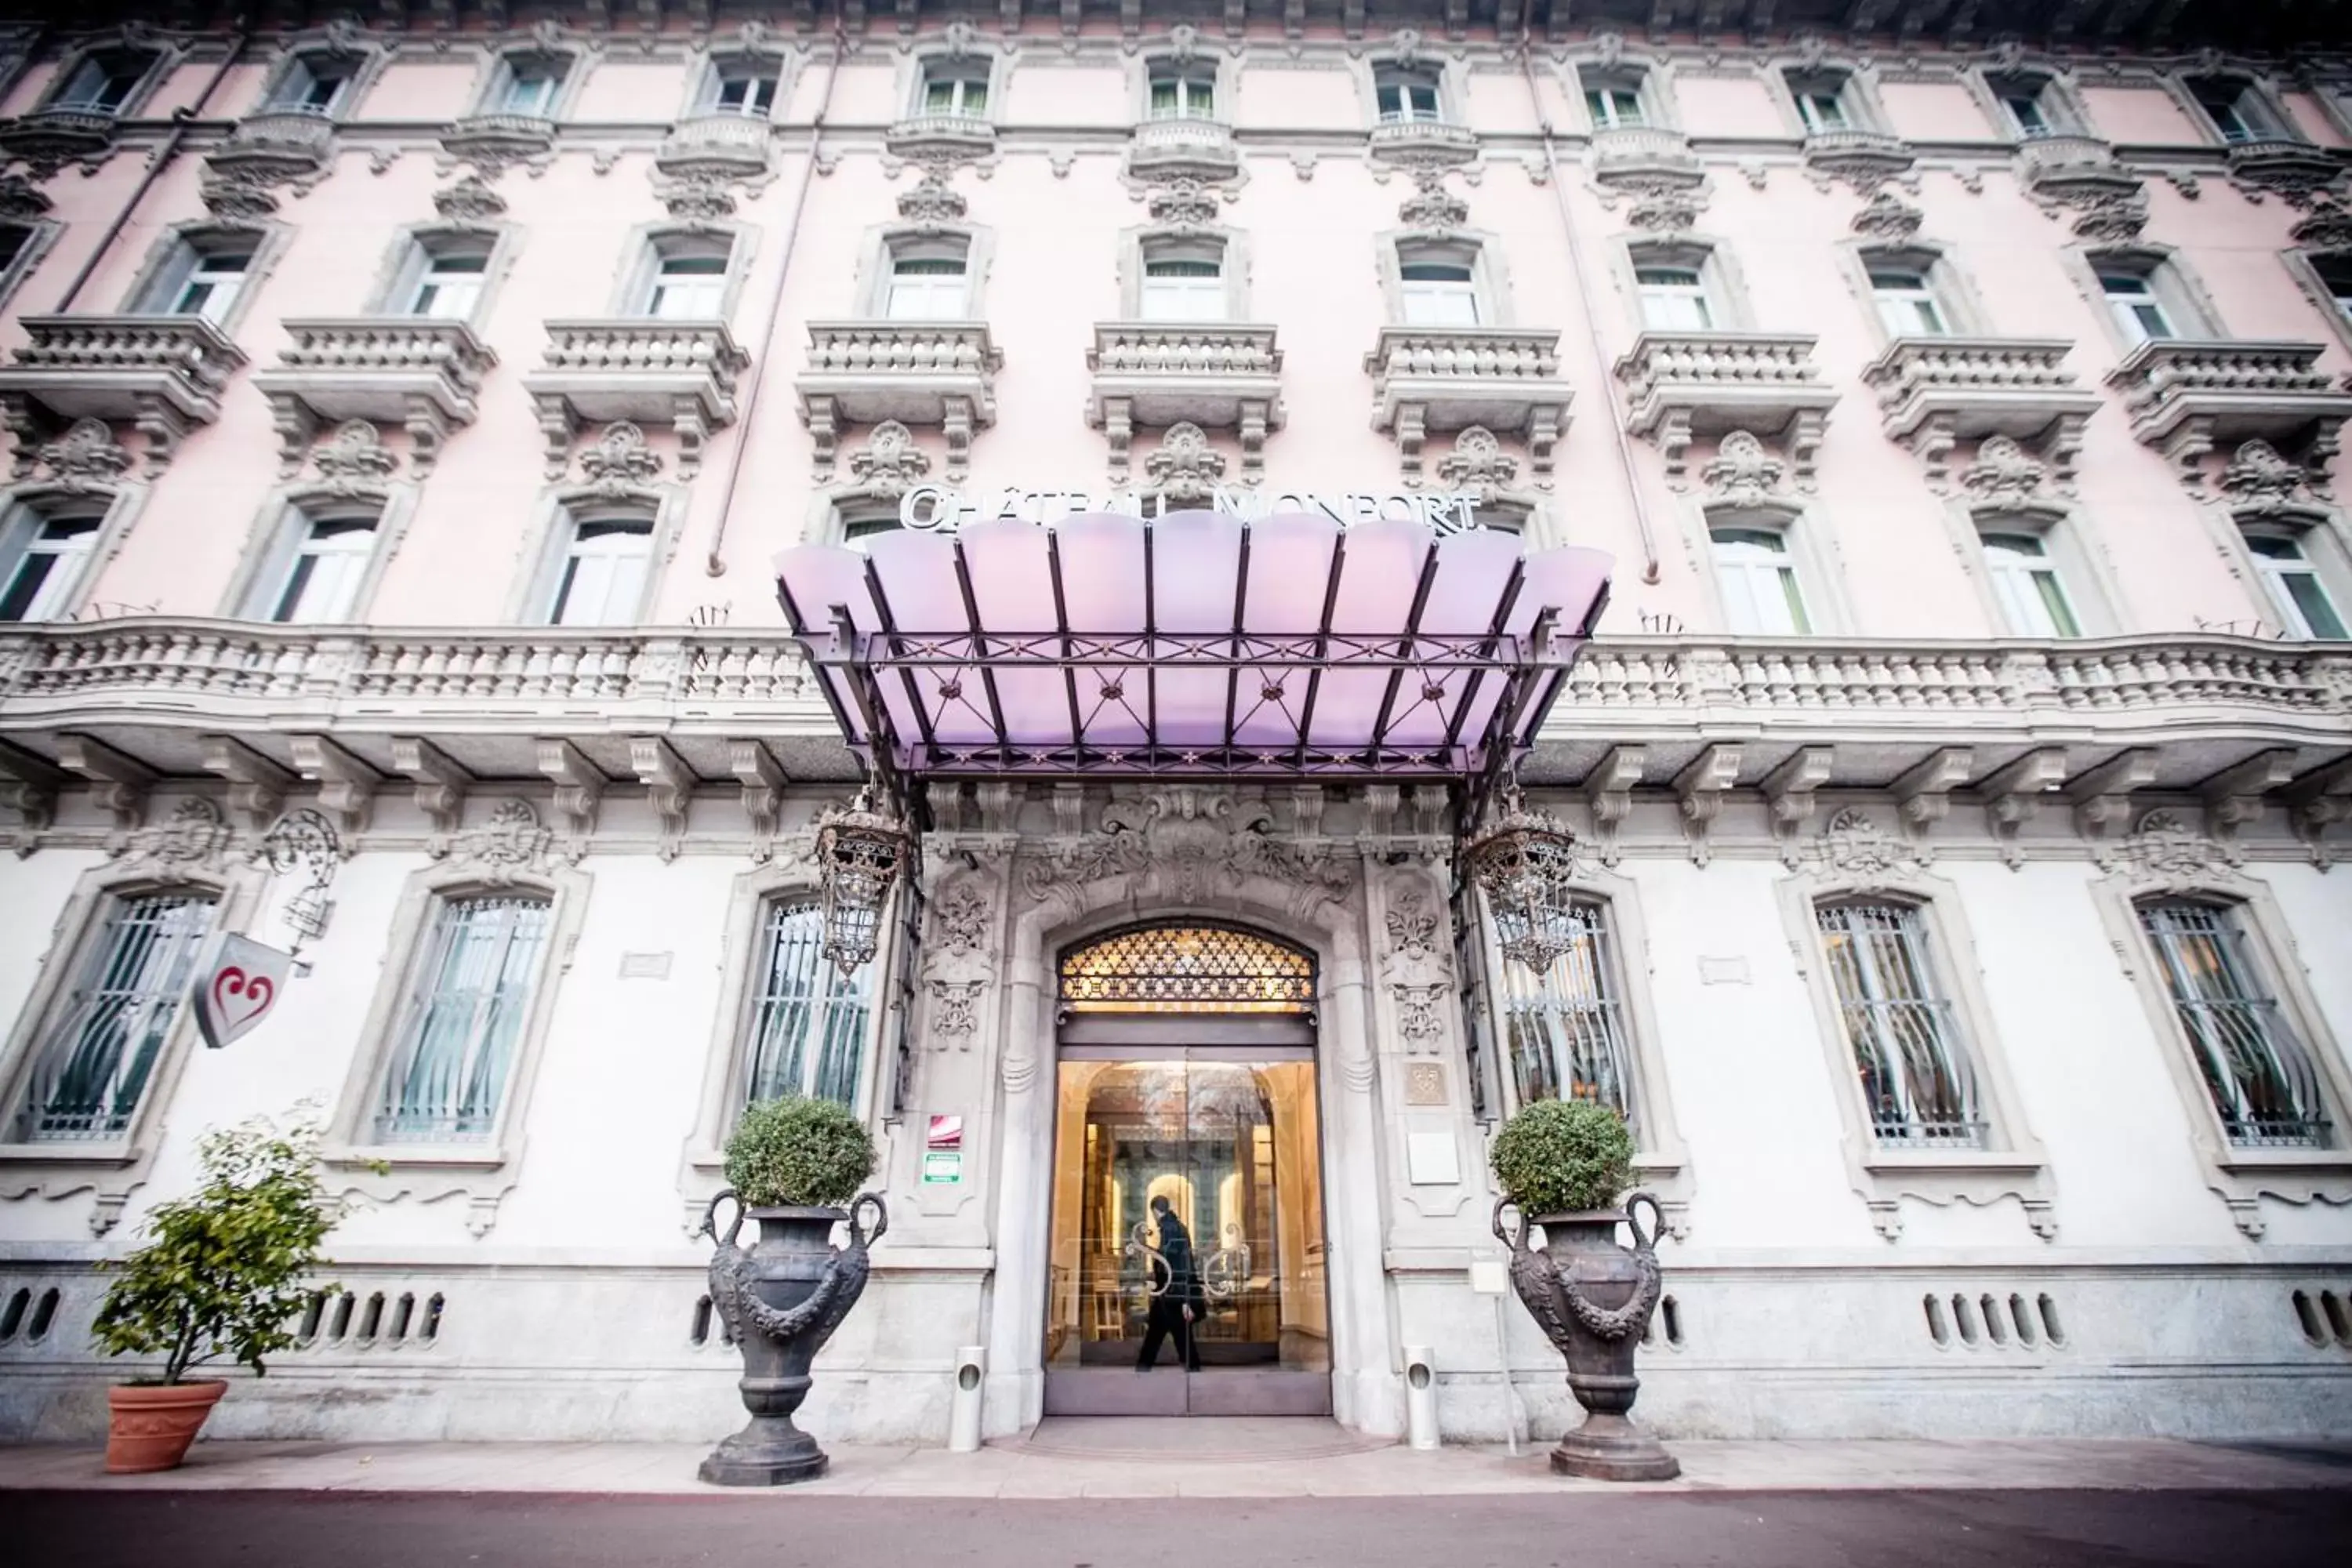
(1564, 1156)
(793, 1151)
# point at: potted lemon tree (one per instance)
(795, 1164)
(1563, 1165)
(222, 1274)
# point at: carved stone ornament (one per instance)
(195, 833)
(1432, 206)
(21, 201)
(1185, 468)
(2106, 216)
(1478, 462)
(470, 200)
(700, 197)
(1887, 217)
(86, 456)
(1186, 203)
(514, 839)
(2257, 478)
(2160, 843)
(889, 464)
(1404, 46)
(1662, 206)
(2328, 226)
(353, 459)
(1420, 1017)
(1185, 842)
(2003, 471)
(620, 460)
(955, 1007)
(1412, 926)
(932, 201)
(1742, 472)
(961, 915)
(1857, 846)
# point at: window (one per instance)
(1758, 577)
(1674, 299)
(93, 1060)
(15, 239)
(315, 84)
(2025, 584)
(1183, 283)
(1567, 1028)
(449, 274)
(455, 1044)
(2263, 1082)
(1820, 102)
(956, 87)
(44, 565)
(1906, 303)
(927, 284)
(1438, 293)
(103, 83)
(1405, 94)
(2293, 581)
(688, 283)
(602, 581)
(528, 85)
(321, 583)
(2334, 270)
(202, 277)
(2236, 109)
(2026, 106)
(1915, 1078)
(1181, 92)
(808, 1023)
(2131, 296)
(1612, 99)
(744, 87)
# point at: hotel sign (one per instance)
(938, 508)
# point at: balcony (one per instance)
(2186, 396)
(492, 141)
(1424, 143)
(1933, 392)
(941, 373)
(679, 374)
(1158, 373)
(2286, 165)
(940, 139)
(1623, 153)
(296, 139)
(1682, 385)
(729, 146)
(1434, 378)
(419, 374)
(1863, 159)
(165, 373)
(1180, 149)
(2079, 173)
(49, 138)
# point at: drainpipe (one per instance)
(155, 166)
(1592, 321)
(716, 565)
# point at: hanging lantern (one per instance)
(1524, 863)
(861, 853)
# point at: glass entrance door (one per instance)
(1187, 1226)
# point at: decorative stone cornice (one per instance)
(2184, 394)
(1935, 392)
(936, 374)
(163, 373)
(1205, 374)
(418, 373)
(648, 372)
(1682, 385)
(1437, 379)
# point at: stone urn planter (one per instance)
(779, 1301)
(1592, 1298)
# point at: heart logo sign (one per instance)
(236, 988)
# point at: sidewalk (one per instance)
(1243, 1460)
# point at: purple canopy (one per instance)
(1197, 644)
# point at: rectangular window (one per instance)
(312, 85)
(956, 90)
(2261, 1078)
(93, 1060)
(2235, 110)
(13, 238)
(204, 280)
(1915, 1078)
(1612, 106)
(323, 580)
(1568, 1037)
(1438, 294)
(2296, 592)
(741, 87)
(1674, 299)
(40, 581)
(1907, 304)
(2137, 310)
(2334, 275)
(687, 287)
(925, 288)
(1180, 290)
(2025, 584)
(456, 1046)
(1821, 107)
(448, 283)
(1403, 96)
(2024, 108)
(1758, 577)
(530, 88)
(602, 578)
(808, 1023)
(1183, 97)
(102, 84)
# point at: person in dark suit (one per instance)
(1178, 1309)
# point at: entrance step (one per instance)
(1194, 1439)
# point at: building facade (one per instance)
(408, 404)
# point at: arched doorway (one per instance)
(1187, 1173)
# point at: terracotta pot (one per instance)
(150, 1427)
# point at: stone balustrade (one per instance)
(1423, 141)
(50, 136)
(287, 132)
(1865, 159)
(420, 372)
(1617, 148)
(163, 372)
(730, 145)
(1166, 149)
(1935, 391)
(1211, 375)
(491, 141)
(941, 373)
(940, 137)
(636, 368)
(1505, 379)
(1682, 385)
(2288, 165)
(2186, 395)
(2042, 157)
(1183, 349)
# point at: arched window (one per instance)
(808, 1024)
(1183, 280)
(739, 84)
(1407, 94)
(441, 275)
(1917, 1081)
(685, 277)
(454, 1045)
(1193, 966)
(929, 279)
(954, 87)
(600, 576)
(1756, 571)
(1437, 284)
(1185, 91)
(2261, 1079)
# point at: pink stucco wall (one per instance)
(2141, 114)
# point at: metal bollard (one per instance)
(1420, 1397)
(963, 1408)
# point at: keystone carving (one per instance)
(889, 464)
(86, 458)
(1185, 468)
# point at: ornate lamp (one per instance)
(1523, 863)
(861, 853)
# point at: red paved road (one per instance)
(1778, 1529)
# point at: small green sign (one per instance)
(942, 1169)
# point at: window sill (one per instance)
(415, 1156)
(2257, 1160)
(113, 1152)
(1954, 1161)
